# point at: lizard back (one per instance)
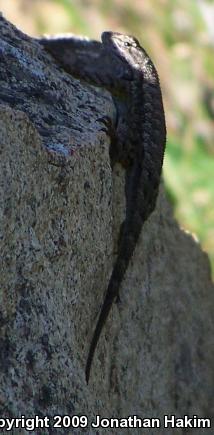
(122, 66)
(141, 142)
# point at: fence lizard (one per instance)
(121, 63)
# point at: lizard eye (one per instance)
(127, 44)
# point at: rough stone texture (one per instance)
(59, 205)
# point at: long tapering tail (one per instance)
(109, 299)
(111, 294)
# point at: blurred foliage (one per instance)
(179, 36)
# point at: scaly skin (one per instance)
(122, 66)
(142, 144)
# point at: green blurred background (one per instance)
(179, 36)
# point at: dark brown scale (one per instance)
(122, 66)
(145, 144)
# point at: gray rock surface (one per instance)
(61, 207)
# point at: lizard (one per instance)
(122, 63)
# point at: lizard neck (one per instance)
(144, 70)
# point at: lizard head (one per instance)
(125, 47)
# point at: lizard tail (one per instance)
(111, 294)
(107, 304)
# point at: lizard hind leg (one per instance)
(118, 149)
(119, 242)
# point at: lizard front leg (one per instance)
(85, 59)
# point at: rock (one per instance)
(61, 209)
